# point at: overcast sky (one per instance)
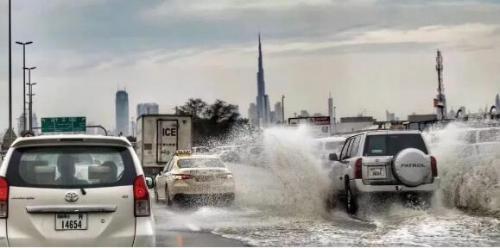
(372, 55)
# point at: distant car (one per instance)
(74, 190)
(327, 145)
(200, 149)
(384, 162)
(191, 178)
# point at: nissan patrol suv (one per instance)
(384, 162)
(74, 190)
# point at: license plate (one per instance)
(204, 178)
(71, 221)
(376, 172)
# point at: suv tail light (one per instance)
(141, 197)
(434, 167)
(4, 197)
(358, 173)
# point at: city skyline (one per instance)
(156, 50)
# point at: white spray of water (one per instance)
(288, 178)
(469, 169)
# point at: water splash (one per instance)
(469, 166)
(288, 178)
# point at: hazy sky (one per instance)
(372, 55)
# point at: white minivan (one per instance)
(74, 190)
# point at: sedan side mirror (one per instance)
(333, 157)
(150, 182)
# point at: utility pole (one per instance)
(440, 100)
(283, 109)
(30, 99)
(24, 80)
(31, 105)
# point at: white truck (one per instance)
(159, 136)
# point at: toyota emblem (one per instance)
(71, 197)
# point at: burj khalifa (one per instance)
(263, 108)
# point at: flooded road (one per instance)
(396, 226)
(281, 203)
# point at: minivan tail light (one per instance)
(434, 167)
(141, 197)
(358, 173)
(4, 197)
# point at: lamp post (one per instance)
(30, 90)
(10, 67)
(24, 79)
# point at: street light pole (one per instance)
(24, 80)
(30, 93)
(10, 68)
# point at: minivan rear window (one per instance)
(390, 145)
(71, 167)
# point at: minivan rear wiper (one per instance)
(83, 191)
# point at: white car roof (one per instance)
(68, 139)
(198, 156)
(333, 138)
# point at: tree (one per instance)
(211, 122)
(194, 107)
(222, 112)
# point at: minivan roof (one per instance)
(70, 139)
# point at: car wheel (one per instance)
(167, 197)
(156, 197)
(350, 200)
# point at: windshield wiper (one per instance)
(83, 191)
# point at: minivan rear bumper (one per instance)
(144, 231)
(357, 185)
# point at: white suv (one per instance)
(385, 162)
(74, 190)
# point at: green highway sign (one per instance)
(64, 124)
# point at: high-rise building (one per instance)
(262, 100)
(20, 125)
(122, 113)
(252, 114)
(331, 113)
(147, 108)
(34, 122)
(278, 112)
(390, 116)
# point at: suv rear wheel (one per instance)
(350, 200)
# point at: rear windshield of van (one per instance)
(71, 167)
(390, 145)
